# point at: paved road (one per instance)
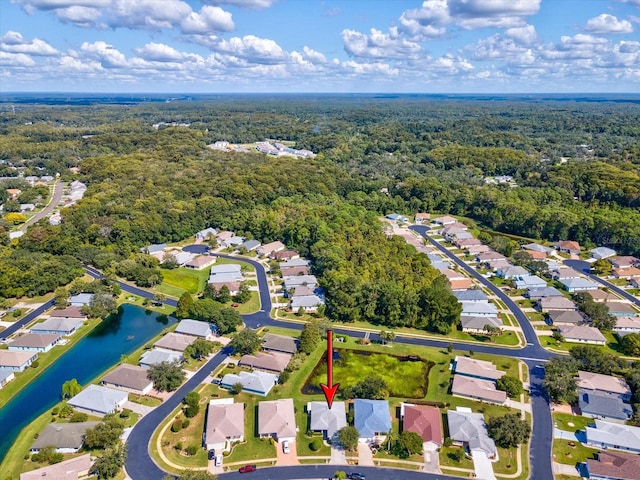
(55, 200)
(31, 316)
(585, 267)
(327, 471)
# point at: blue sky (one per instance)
(433, 46)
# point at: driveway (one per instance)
(286, 459)
(482, 466)
(365, 455)
(338, 455)
(431, 458)
(138, 408)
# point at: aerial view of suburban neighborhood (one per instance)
(375, 281)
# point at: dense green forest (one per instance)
(576, 164)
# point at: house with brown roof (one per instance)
(496, 264)
(270, 248)
(234, 287)
(621, 309)
(268, 361)
(63, 437)
(564, 317)
(176, 342)
(627, 325)
(582, 334)
(279, 343)
(16, 361)
(466, 242)
(224, 425)
(290, 271)
(285, 255)
(556, 303)
(425, 421)
(72, 469)
(567, 246)
(612, 465)
(628, 272)
(422, 218)
(277, 419)
(489, 256)
(471, 367)
(623, 261)
(476, 249)
(562, 273)
(461, 284)
(201, 262)
(34, 342)
(606, 384)
(602, 296)
(477, 389)
(537, 255)
(69, 312)
(129, 378)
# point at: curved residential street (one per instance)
(53, 203)
(140, 466)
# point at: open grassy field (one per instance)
(184, 279)
(404, 378)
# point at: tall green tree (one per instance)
(166, 376)
(509, 430)
(185, 304)
(70, 388)
(348, 437)
(246, 342)
(309, 338)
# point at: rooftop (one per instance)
(277, 417)
(128, 376)
(224, 420)
(476, 368)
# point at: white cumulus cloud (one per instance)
(378, 44)
(606, 23)
(13, 42)
(210, 19)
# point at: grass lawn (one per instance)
(403, 378)
(535, 316)
(564, 419)
(571, 453)
(183, 280)
(145, 400)
(191, 435)
(526, 303)
(447, 458)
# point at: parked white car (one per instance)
(285, 447)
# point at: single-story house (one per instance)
(233, 287)
(602, 296)
(27, 207)
(81, 299)
(512, 272)
(469, 430)
(489, 256)
(453, 274)
(305, 290)
(72, 469)
(5, 377)
(564, 317)
(285, 255)
(629, 272)
(291, 271)
(556, 303)
(206, 233)
(623, 261)
(582, 334)
(270, 248)
(472, 295)
(234, 241)
(154, 248)
(63, 437)
(537, 255)
(477, 389)
(201, 262)
(259, 383)
(614, 466)
(371, 419)
(277, 419)
(294, 262)
(578, 284)
(269, 361)
(226, 268)
(476, 249)
(562, 273)
(298, 280)
(461, 284)
(69, 312)
(176, 342)
(422, 218)
(59, 326)
(543, 292)
(627, 325)
(445, 220)
(602, 252)
(98, 400)
(635, 281)
(496, 264)
(604, 384)
(605, 407)
(608, 435)
(16, 361)
(425, 421)
(224, 425)
(621, 309)
(327, 420)
(250, 245)
(466, 242)
(224, 236)
(280, 343)
(479, 309)
(34, 342)
(534, 247)
(530, 281)
(478, 324)
(196, 328)
(221, 278)
(472, 367)
(155, 356)
(308, 303)
(394, 217)
(567, 246)
(16, 234)
(129, 378)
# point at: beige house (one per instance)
(225, 424)
(277, 419)
(71, 469)
(129, 378)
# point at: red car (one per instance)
(247, 469)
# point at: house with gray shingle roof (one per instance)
(563, 317)
(196, 328)
(602, 252)
(98, 400)
(57, 325)
(250, 245)
(613, 435)
(468, 429)
(63, 437)
(258, 383)
(155, 356)
(473, 295)
(176, 342)
(582, 334)
(580, 284)
(477, 389)
(280, 343)
(530, 281)
(81, 299)
(478, 324)
(5, 377)
(327, 420)
(543, 292)
(605, 407)
(512, 272)
(129, 378)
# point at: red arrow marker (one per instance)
(331, 389)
